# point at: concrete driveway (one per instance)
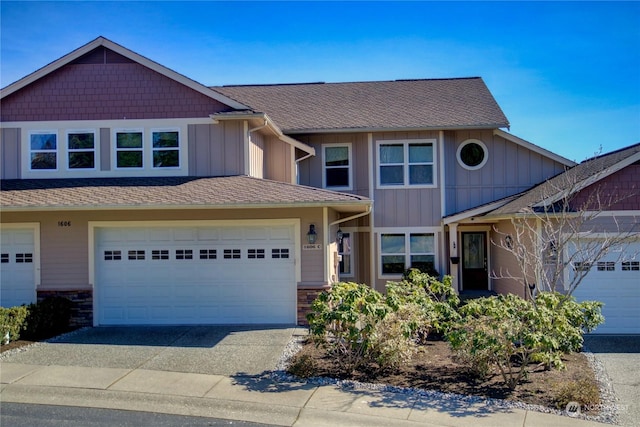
(213, 350)
(620, 356)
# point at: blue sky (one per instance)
(566, 74)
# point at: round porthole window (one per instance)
(472, 154)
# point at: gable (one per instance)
(104, 85)
(619, 191)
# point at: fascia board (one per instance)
(390, 129)
(101, 41)
(477, 211)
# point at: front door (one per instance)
(474, 261)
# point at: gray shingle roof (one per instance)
(583, 172)
(117, 193)
(400, 104)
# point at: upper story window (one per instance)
(129, 149)
(337, 166)
(166, 149)
(401, 251)
(406, 163)
(472, 154)
(43, 147)
(81, 149)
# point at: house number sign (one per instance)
(64, 223)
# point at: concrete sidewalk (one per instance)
(254, 398)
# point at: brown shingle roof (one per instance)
(175, 192)
(594, 168)
(400, 104)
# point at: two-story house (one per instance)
(148, 198)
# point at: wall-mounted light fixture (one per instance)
(312, 236)
(339, 236)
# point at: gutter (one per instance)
(349, 218)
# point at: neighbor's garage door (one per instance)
(615, 280)
(17, 271)
(195, 275)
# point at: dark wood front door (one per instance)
(474, 261)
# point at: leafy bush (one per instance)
(343, 320)
(437, 300)
(12, 321)
(48, 318)
(508, 332)
(392, 343)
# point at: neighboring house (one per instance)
(148, 198)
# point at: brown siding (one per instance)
(108, 90)
(256, 156)
(216, 149)
(10, 153)
(105, 149)
(504, 265)
(510, 169)
(619, 191)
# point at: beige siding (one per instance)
(64, 249)
(10, 153)
(256, 155)
(278, 161)
(105, 149)
(504, 265)
(216, 149)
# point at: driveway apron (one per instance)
(213, 350)
(620, 356)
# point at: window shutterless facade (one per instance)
(401, 251)
(129, 149)
(337, 166)
(166, 148)
(43, 149)
(407, 163)
(81, 149)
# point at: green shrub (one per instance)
(585, 392)
(508, 332)
(392, 342)
(437, 299)
(343, 319)
(48, 318)
(12, 321)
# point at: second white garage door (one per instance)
(195, 275)
(615, 281)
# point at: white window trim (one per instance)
(116, 150)
(350, 167)
(407, 251)
(178, 148)
(96, 151)
(405, 166)
(464, 144)
(57, 151)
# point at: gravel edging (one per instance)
(608, 405)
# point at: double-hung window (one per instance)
(166, 149)
(400, 251)
(406, 163)
(81, 149)
(129, 149)
(337, 166)
(43, 148)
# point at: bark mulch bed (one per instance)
(434, 368)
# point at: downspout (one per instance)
(298, 165)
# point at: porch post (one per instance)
(453, 254)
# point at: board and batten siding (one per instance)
(278, 162)
(256, 155)
(311, 170)
(407, 207)
(216, 149)
(510, 169)
(10, 153)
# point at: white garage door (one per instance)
(17, 272)
(615, 280)
(196, 275)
